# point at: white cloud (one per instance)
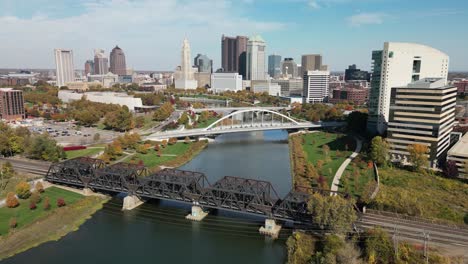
(149, 32)
(366, 19)
(314, 4)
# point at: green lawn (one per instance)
(416, 194)
(357, 182)
(24, 215)
(206, 123)
(151, 159)
(313, 143)
(83, 152)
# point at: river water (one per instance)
(157, 232)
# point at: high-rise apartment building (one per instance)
(184, 78)
(117, 61)
(289, 68)
(399, 64)
(100, 62)
(311, 62)
(256, 69)
(274, 65)
(11, 104)
(89, 67)
(203, 63)
(422, 112)
(315, 86)
(233, 54)
(65, 71)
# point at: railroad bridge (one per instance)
(248, 196)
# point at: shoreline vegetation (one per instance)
(50, 226)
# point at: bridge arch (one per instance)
(251, 110)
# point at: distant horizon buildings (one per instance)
(117, 61)
(396, 65)
(289, 68)
(256, 69)
(65, 71)
(274, 65)
(355, 74)
(312, 62)
(184, 77)
(100, 62)
(89, 67)
(234, 54)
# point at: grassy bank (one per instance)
(25, 216)
(426, 196)
(83, 152)
(310, 159)
(356, 178)
(51, 226)
(207, 122)
(171, 156)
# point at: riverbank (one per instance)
(49, 225)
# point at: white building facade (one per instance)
(103, 97)
(272, 89)
(399, 64)
(256, 69)
(315, 86)
(65, 70)
(226, 81)
(184, 78)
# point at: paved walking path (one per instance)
(342, 168)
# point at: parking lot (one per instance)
(69, 134)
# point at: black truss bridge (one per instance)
(242, 195)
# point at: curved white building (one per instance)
(399, 64)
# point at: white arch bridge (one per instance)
(246, 120)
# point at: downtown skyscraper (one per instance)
(65, 70)
(184, 77)
(233, 54)
(117, 61)
(256, 69)
(100, 62)
(274, 65)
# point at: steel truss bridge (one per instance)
(245, 120)
(230, 193)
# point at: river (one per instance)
(157, 232)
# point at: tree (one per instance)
(46, 203)
(35, 197)
(357, 122)
(164, 143)
(11, 200)
(39, 187)
(379, 150)
(184, 119)
(187, 140)
(378, 247)
(44, 148)
(120, 120)
(172, 141)
(418, 156)
(87, 117)
(13, 222)
(140, 121)
(326, 150)
(451, 169)
(60, 202)
(333, 213)
(23, 190)
(32, 205)
(6, 173)
(163, 112)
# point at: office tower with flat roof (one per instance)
(89, 67)
(274, 65)
(315, 86)
(233, 54)
(290, 87)
(289, 68)
(117, 61)
(399, 64)
(11, 104)
(311, 62)
(256, 69)
(355, 74)
(100, 62)
(65, 71)
(203, 63)
(422, 112)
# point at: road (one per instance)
(172, 118)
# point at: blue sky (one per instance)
(151, 32)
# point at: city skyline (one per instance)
(364, 24)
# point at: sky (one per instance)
(151, 32)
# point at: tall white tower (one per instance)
(256, 69)
(65, 71)
(184, 78)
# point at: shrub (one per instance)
(39, 187)
(11, 200)
(46, 203)
(61, 202)
(35, 197)
(23, 190)
(465, 219)
(32, 205)
(13, 222)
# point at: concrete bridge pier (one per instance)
(270, 229)
(131, 202)
(197, 214)
(88, 192)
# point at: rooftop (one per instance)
(428, 83)
(257, 38)
(460, 148)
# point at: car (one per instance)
(78, 132)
